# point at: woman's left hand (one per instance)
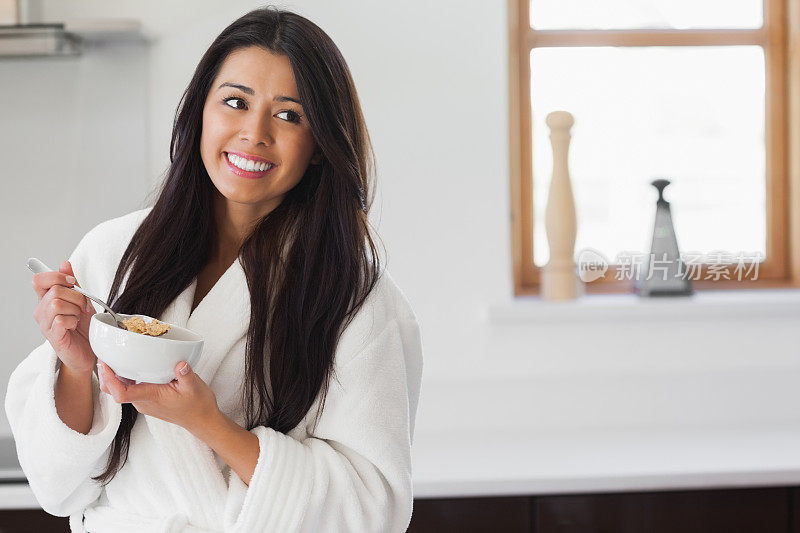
(186, 401)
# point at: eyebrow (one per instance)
(248, 90)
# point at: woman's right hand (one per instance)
(63, 316)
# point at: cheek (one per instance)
(206, 136)
(301, 152)
(302, 147)
(213, 129)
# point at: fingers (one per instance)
(60, 327)
(62, 298)
(126, 381)
(43, 281)
(182, 369)
(110, 384)
(56, 302)
(66, 268)
(123, 390)
(102, 381)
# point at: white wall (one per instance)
(432, 78)
(73, 150)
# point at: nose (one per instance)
(256, 129)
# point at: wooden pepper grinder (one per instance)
(559, 281)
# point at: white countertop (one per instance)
(480, 464)
(471, 463)
(17, 496)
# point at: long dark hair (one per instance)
(310, 263)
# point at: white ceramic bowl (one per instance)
(139, 357)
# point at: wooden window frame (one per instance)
(779, 36)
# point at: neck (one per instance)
(234, 222)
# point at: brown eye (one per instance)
(226, 100)
(292, 116)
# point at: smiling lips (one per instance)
(246, 167)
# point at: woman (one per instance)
(300, 413)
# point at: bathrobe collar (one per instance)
(222, 319)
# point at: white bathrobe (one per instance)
(351, 473)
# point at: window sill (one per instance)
(714, 305)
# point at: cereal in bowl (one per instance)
(137, 325)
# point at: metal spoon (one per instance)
(37, 267)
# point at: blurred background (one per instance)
(525, 403)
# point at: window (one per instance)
(704, 93)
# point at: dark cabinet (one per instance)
(471, 514)
(708, 511)
(32, 521)
(761, 510)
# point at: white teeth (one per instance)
(249, 165)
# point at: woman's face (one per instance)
(260, 119)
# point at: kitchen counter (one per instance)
(455, 464)
(583, 461)
(14, 490)
(10, 470)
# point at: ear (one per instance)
(316, 158)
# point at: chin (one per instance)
(244, 199)
(235, 194)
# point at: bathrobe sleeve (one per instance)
(57, 460)
(354, 472)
